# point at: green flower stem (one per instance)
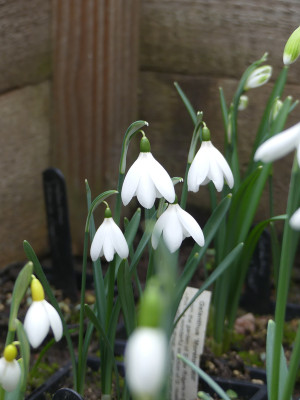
(184, 187)
(293, 368)
(81, 361)
(110, 290)
(118, 205)
(286, 262)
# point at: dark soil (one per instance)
(247, 349)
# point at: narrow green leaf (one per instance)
(293, 368)
(203, 375)
(186, 102)
(25, 353)
(197, 252)
(21, 285)
(226, 263)
(92, 317)
(126, 297)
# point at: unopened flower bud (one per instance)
(259, 77)
(292, 48)
(243, 102)
(275, 109)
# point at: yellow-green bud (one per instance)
(292, 48)
(275, 109)
(37, 291)
(10, 352)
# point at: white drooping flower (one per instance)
(10, 371)
(258, 77)
(174, 225)
(295, 220)
(109, 240)
(147, 179)
(280, 145)
(209, 165)
(146, 362)
(40, 317)
(292, 48)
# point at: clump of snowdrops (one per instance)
(166, 223)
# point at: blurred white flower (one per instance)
(147, 179)
(295, 220)
(243, 102)
(109, 240)
(258, 77)
(10, 371)
(40, 316)
(146, 361)
(280, 145)
(209, 165)
(174, 225)
(292, 48)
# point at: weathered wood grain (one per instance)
(215, 38)
(24, 144)
(170, 127)
(25, 42)
(95, 84)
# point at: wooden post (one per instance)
(95, 44)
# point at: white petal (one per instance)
(215, 174)
(295, 220)
(161, 179)
(199, 169)
(278, 145)
(10, 374)
(132, 179)
(146, 191)
(36, 323)
(172, 232)
(98, 240)
(146, 357)
(220, 159)
(119, 240)
(54, 319)
(158, 228)
(108, 247)
(190, 225)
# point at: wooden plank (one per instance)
(25, 45)
(170, 127)
(95, 85)
(216, 37)
(25, 153)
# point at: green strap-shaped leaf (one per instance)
(186, 102)
(22, 282)
(126, 297)
(203, 375)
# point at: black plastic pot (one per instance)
(54, 385)
(245, 389)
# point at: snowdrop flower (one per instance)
(209, 165)
(280, 145)
(174, 225)
(40, 316)
(146, 357)
(295, 220)
(292, 48)
(259, 77)
(147, 179)
(10, 371)
(109, 240)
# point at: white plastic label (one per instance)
(188, 340)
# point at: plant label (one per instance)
(188, 340)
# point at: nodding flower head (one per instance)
(40, 316)
(10, 371)
(147, 179)
(292, 48)
(109, 240)
(259, 77)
